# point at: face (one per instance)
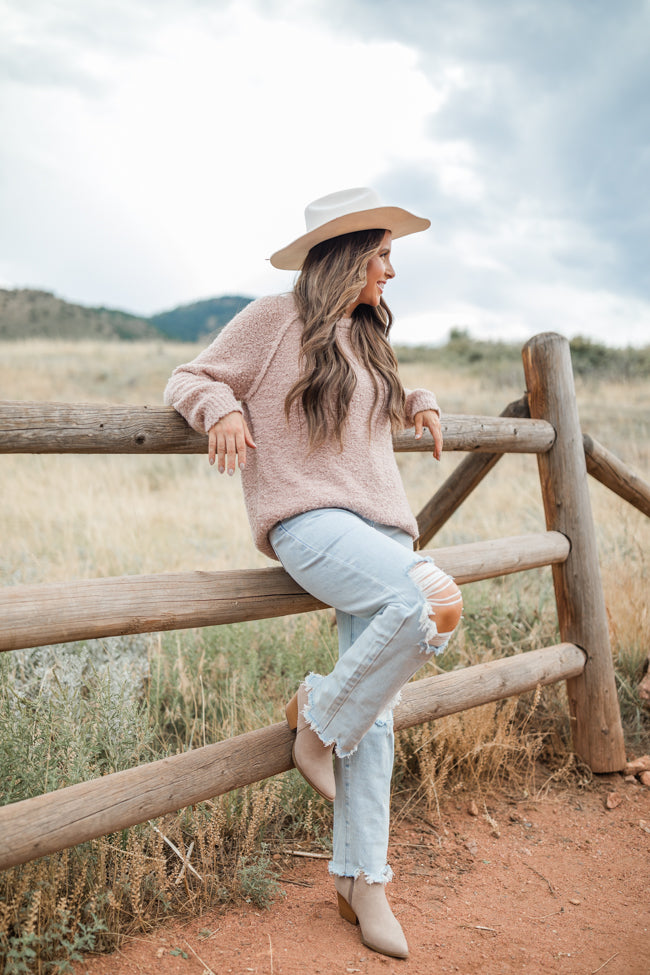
(378, 272)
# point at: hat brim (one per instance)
(399, 222)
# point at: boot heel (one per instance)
(291, 712)
(345, 910)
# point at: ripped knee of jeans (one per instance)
(443, 603)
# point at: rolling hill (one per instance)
(28, 313)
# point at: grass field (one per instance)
(74, 712)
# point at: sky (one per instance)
(156, 152)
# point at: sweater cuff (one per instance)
(418, 400)
(218, 407)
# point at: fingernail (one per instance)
(417, 436)
(242, 466)
(231, 471)
(221, 468)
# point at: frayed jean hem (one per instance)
(383, 877)
(312, 681)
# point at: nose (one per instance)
(390, 271)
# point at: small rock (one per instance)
(472, 847)
(472, 808)
(644, 825)
(574, 900)
(614, 799)
(644, 778)
(630, 778)
(638, 765)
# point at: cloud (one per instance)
(161, 151)
(198, 153)
(545, 112)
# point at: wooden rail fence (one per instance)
(544, 422)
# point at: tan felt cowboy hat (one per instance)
(341, 213)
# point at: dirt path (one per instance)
(560, 885)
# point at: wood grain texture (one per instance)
(92, 428)
(593, 703)
(58, 820)
(611, 471)
(87, 609)
(458, 690)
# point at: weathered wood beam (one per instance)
(86, 609)
(93, 428)
(484, 434)
(593, 703)
(465, 477)
(57, 820)
(602, 464)
(611, 471)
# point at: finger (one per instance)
(221, 452)
(438, 450)
(418, 426)
(248, 436)
(433, 425)
(240, 441)
(231, 451)
(212, 445)
(436, 433)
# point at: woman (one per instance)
(301, 391)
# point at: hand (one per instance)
(227, 440)
(430, 420)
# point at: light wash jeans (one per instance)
(362, 570)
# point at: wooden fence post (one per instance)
(593, 704)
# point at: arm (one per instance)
(208, 388)
(207, 391)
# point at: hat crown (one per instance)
(340, 204)
(346, 212)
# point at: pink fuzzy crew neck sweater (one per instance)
(250, 367)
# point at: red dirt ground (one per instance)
(556, 885)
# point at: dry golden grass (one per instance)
(66, 517)
(79, 516)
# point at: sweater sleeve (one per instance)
(418, 400)
(206, 389)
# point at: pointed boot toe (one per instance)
(311, 757)
(366, 905)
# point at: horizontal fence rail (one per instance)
(86, 609)
(57, 820)
(98, 428)
(62, 612)
(464, 479)
(602, 464)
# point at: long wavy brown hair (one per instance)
(333, 274)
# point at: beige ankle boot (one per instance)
(311, 757)
(366, 905)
